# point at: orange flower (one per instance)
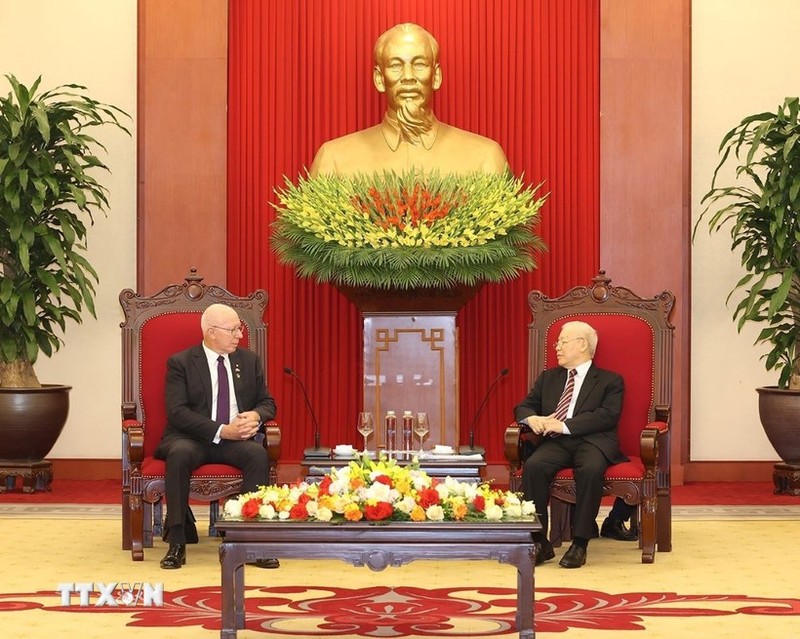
(460, 511)
(418, 513)
(356, 483)
(353, 513)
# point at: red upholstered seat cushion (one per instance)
(625, 346)
(152, 467)
(162, 336)
(633, 469)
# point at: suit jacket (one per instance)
(597, 409)
(189, 396)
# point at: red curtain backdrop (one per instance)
(523, 72)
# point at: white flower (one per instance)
(493, 512)
(435, 513)
(528, 508)
(513, 510)
(406, 504)
(283, 515)
(324, 514)
(267, 511)
(512, 499)
(311, 508)
(233, 508)
(379, 492)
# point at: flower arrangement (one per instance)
(379, 490)
(401, 231)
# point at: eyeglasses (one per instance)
(232, 331)
(561, 342)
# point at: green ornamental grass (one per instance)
(404, 232)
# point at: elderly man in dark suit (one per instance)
(575, 407)
(217, 402)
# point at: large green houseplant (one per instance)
(762, 211)
(48, 195)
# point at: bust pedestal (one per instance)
(410, 356)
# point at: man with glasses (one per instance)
(217, 401)
(575, 407)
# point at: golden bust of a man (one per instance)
(410, 137)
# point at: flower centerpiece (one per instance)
(380, 491)
(405, 232)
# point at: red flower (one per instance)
(303, 499)
(250, 508)
(381, 510)
(298, 511)
(384, 479)
(428, 497)
(325, 484)
(479, 502)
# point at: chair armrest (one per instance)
(133, 440)
(272, 441)
(653, 435)
(520, 442)
(511, 443)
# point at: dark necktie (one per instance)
(566, 397)
(223, 392)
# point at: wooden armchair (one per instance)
(155, 327)
(636, 342)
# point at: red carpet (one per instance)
(697, 493)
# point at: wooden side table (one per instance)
(377, 547)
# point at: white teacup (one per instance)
(344, 449)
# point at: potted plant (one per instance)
(48, 193)
(762, 209)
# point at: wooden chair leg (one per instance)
(648, 530)
(152, 514)
(136, 514)
(126, 521)
(664, 523)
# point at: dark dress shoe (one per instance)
(575, 557)
(615, 529)
(544, 552)
(270, 562)
(175, 557)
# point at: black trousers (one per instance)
(182, 456)
(589, 463)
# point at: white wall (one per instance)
(93, 43)
(744, 60)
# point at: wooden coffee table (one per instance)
(376, 546)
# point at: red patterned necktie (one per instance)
(566, 397)
(223, 393)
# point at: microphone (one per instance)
(316, 451)
(472, 449)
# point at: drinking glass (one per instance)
(421, 428)
(366, 426)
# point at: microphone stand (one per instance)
(316, 452)
(472, 449)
